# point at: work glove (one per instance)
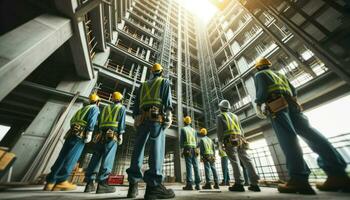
(259, 112)
(120, 139)
(168, 119)
(88, 137)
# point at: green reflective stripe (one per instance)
(232, 124)
(222, 153)
(190, 137)
(79, 116)
(109, 116)
(280, 83)
(208, 144)
(150, 94)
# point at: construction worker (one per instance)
(207, 151)
(152, 113)
(276, 92)
(230, 134)
(110, 136)
(82, 124)
(188, 143)
(224, 166)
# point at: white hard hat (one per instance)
(224, 104)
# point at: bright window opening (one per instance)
(3, 131)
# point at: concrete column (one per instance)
(23, 49)
(277, 154)
(148, 54)
(98, 27)
(78, 42)
(179, 162)
(144, 73)
(34, 137)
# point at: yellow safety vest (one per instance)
(150, 93)
(222, 153)
(208, 146)
(280, 83)
(190, 137)
(109, 116)
(79, 116)
(232, 124)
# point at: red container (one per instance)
(114, 179)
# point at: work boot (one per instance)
(254, 188)
(296, 186)
(64, 186)
(236, 188)
(188, 187)
(216, 185)
(335, 183)
(133, 190)
(48, 186)
(90, 187)
(227, 183)
(158, 192)
(198, 187)
(222, 183)
(103, 187)
(207, 186)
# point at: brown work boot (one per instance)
(335, 183)
(64, 186)
(48, 186)
(296, 186)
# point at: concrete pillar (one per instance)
(78, 43)
(144, 73)
(277, 154)
(34, 137)
(23, 49)
(98, 27)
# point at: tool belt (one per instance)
(152, 114)
(105, 136)
(209, 158)
(278, 103)
(75, 130)
(234, 140)
(189, 151)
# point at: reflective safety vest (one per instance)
(190, 137)
(208, 146)
(232, 124)
(80, 116)
(222, 153)
(109, 116)
(280, 83)
(150, 93)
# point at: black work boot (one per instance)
(335, 183)
(198, 187)
(222, 183)
(90, 187)
(158, 192)
(207, 186)
(296, 186)
(103, 187)
(133, 190)
(227, 183)
(216, 185)
(254, 188)
(188, 187)
(237, 188)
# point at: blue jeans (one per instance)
(207, 167)
(154, 132)
(192, 161)
(66, 160)
(225, 171)
(290, 122)
(102, 161)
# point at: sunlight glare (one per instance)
(203, 9)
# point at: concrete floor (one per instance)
(35, 193)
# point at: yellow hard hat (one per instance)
(94, 98)
(262, 62)
(187, 120)
(117, 96)
(156, 68)
(203, 131)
